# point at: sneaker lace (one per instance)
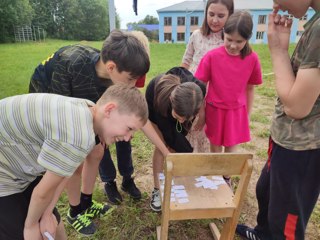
(95, 209)
(83, 219)
(156, 196)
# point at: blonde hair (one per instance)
(129, 99)
(143, 39)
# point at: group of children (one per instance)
(51, 142)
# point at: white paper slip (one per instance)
(183, 200)
(201, 178)
(179, 191)
(220, 182)
(208, 184)
(172, 199)
(217, 178)
(178, 187)
(181, 195)
(198, 184)
(48, 235)
(161, 176)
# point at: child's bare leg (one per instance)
(230, 149)
(215, 148)
(61, 233)
(73, 187)
(90, 169)
(157, 166)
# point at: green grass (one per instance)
(131, 220)
(259, 117)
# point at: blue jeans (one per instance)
(107, 169)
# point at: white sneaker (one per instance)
(155, 202)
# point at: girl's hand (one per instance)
(278, 32)
(198, 126)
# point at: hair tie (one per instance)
(178, 127)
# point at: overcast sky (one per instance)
(145, 7)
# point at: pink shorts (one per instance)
(227, 127)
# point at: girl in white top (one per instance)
(208, 37)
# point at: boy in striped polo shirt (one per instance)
(43, 140)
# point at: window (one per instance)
(194, 21)
(304, 17)
(260, 35)
(167, 37)
(299, 33)
(262, 19)
(181, 21)
(167, 21)
(180, 36)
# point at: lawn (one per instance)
(135, 220)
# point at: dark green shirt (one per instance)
(301, 134)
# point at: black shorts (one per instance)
(14, 210)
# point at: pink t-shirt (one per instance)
(228, 77)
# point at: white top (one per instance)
(198, 46)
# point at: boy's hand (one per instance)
(278, 31)
(276, 8)
(32, 232)
(48, 223)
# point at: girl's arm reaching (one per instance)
(153, 136)
(202, 118)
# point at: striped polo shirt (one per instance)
(40, 132)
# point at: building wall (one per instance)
(174, 29)
(259, 30)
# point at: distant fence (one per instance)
(29, 33)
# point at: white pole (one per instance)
(112, 15)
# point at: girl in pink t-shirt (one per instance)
(232, 71)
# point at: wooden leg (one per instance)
(158, 232)
(215, 231)
(229, 228)
(164, 230)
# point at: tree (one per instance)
(94, 21)
(152, 35)
(65, 19)
(44, 15)
(82, 19)
(13, 13)
(149, 20)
